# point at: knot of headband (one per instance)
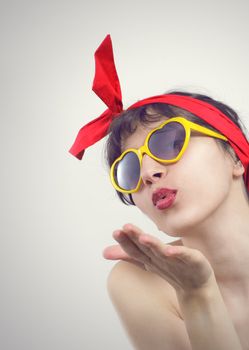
(106, 85)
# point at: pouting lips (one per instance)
(162, 193)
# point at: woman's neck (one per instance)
(224, 239)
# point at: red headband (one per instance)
(106, 85)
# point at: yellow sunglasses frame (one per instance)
(144, 149)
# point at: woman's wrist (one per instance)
(203, 293)
(206, 317)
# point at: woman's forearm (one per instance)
(208, 323)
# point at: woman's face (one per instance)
(202, 179)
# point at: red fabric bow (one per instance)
(106, 86)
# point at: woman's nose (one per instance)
(151, 170)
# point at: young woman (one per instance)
(182, 159)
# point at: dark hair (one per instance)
(127, 122)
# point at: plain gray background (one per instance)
(57, 213)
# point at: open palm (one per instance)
(184, 268)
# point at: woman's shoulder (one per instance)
(128, 282)
(148, 308)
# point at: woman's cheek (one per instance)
(195, 202)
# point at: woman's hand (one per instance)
(184, 268)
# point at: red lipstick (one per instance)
(163, 198)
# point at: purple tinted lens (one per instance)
(166, 143)
(127, 172)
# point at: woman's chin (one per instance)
(180, 224)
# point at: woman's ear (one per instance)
(238, 168)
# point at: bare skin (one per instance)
(184, 269)
(210, 262)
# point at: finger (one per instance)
(182, 253)
(115, 252)
(133, 230)
(159, 248)
(156, 250)
(165, 253)
(190, 256)
(154, 244)
(130, 247)
(135, 233)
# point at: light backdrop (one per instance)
(57, 213)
